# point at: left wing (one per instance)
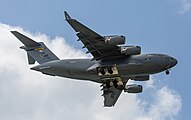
(94, 42)
(111, 96)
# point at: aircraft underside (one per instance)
(112, 65)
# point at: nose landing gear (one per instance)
(167, 72)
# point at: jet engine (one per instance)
(131, 50)
(115, 40)
(133, 88)
(141, 78)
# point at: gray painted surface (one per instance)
(112, 65)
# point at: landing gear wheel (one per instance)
(102, 70)
(107, 84)
(167, 72)
(110, 70)
(118, 84)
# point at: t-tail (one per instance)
(36, 51)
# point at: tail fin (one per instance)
(36, 51)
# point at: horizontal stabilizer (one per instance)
(25, 40)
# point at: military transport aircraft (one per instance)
(111, 66)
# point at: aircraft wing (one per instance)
(111, 96)
(92, 41)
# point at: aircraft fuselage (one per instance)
(112, 65)
(126, 67)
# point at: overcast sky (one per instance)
(157, 26)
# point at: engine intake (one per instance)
(133, 88)
(131, 50)
(115, 40)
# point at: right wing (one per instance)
(94, 42)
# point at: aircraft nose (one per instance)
(171, 62)
(174, 61)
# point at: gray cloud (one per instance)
(29, 95)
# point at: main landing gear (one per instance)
(115, 82)
(107, 70)
(118, 84)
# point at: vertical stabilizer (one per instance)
(36, 51)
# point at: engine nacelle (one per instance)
(131, 50)
(141, 78)
(115, 40)
(133, 88)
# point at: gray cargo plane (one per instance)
(111, 66)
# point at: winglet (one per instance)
(67, 16)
